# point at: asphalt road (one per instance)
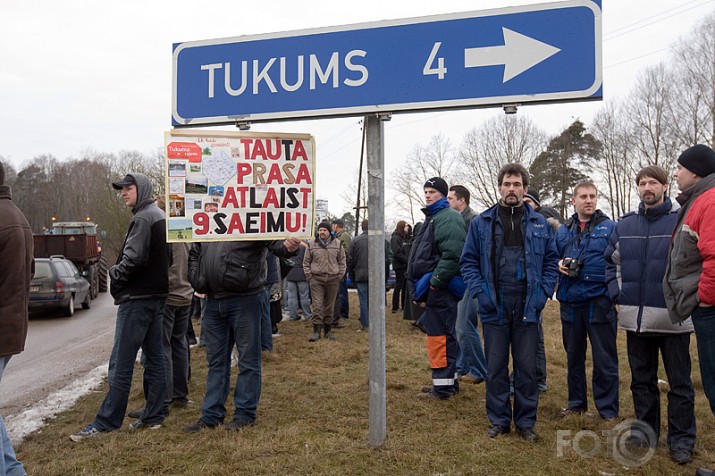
(58, 350)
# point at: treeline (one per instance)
(81, 189)
(670, 107)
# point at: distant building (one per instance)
(321, 210)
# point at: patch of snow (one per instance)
(34, 417)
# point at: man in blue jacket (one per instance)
(636, 259)
(509, 266)
(586, 309)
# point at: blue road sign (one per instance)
(525, 54)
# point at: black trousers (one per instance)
(643, 360)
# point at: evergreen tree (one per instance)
(567, 160)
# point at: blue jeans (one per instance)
(9, 465)
(342, 305)
(298, 291)
(139, 324)
(228, 321)
(362, 290)
(266, 327)
(471, 359)
(704, 324)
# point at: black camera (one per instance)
(574, 266)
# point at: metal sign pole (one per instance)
(375, 133)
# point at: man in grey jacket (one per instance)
(139, 285)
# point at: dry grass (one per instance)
(313, 419)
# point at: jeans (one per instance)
(176, 351)
(139, 324)
(362, 289)
(9, 465)
(266, 326)
(595, 320)
(342, 305)
(471, 359)
(228, 321)
(643, 360)
(298, 291)
(704, 324)
(400, 291)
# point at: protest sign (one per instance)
(223, 185)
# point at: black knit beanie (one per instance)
(699, 159)
(438, 184)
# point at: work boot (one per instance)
(316, 334)
(327, 333)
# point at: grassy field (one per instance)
(313, 419)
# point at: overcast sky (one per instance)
(77, 75)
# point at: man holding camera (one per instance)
(586, 309)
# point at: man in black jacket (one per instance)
(139, 285)
(233, 276)
(358, 270)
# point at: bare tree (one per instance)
(436, 159)
(650, 113)
(693, 86)
(618, 159)
(485, 149)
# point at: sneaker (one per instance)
(88, 431)
(277, 334)
(192, 341)
(198, 426)
(136, 413)
(137, 425)
(238, 424)
(337, 324)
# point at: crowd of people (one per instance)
(651, 273)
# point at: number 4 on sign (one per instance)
(429, 68)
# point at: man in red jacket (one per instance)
(689, 283)
(16, 270)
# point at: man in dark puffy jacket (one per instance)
(586, 310)
(16, 263)
(636, 258)
(139, 285)
(233, 274)
(509, 267)
(434, 262)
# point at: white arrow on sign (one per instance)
(517, 54)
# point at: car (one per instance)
(57, 284)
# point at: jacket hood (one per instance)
(145, 191)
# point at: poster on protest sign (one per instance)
(228, 186)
